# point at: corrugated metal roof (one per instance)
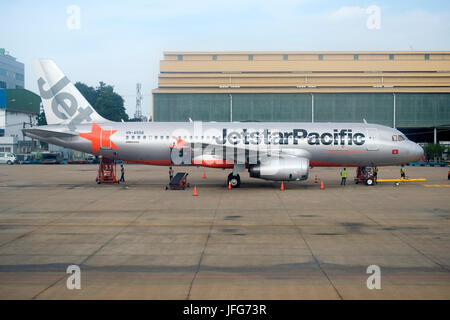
(22, 100)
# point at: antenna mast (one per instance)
(138, 113)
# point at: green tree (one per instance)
(433, 151)
(104, 100)
(40, 118)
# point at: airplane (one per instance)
(267, 150)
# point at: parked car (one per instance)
(7, 157)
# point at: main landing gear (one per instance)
(364, 175)
(234, 180)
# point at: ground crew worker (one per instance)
(170, 174)
(402, 172)
(122, 173)
(343, 176)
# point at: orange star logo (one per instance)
(180, 143)
(99, 138)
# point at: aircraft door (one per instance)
(371, 140)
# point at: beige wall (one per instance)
(197, 72)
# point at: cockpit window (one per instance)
(398, 138)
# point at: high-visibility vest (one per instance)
(344, 173)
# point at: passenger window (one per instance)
(132, 137)
(144, 137)
(126, 137)
(139, 137)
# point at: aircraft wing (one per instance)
(240, 148)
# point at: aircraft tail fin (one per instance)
(63, 103)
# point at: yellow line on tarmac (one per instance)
(437, 185)
(402, 180)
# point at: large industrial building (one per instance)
(18, 110)
(18, 107)
(409, 90)
(12, 74)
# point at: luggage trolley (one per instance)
(178, 182)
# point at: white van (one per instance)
(7, 157)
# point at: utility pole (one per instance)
(231, 107)
(394, 112)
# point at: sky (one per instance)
(122, 42)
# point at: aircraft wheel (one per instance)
(369, 182)
(235, 181)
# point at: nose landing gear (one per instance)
(365, 175)
(234, 180)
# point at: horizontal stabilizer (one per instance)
(47, 133)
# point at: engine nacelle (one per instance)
(281, 169)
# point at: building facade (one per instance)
(12, 72)
(406, 90)
(18, 109)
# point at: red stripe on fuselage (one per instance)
(152, 162)
(213, 164)
(313, 163)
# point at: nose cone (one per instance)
(416, 152)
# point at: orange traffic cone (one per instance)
(282, 186)
(204, 175)
(229, 185)
(195, 191)
(321, 185)
(315, 180)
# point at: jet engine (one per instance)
(281, 169)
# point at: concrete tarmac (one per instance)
(139, 241)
